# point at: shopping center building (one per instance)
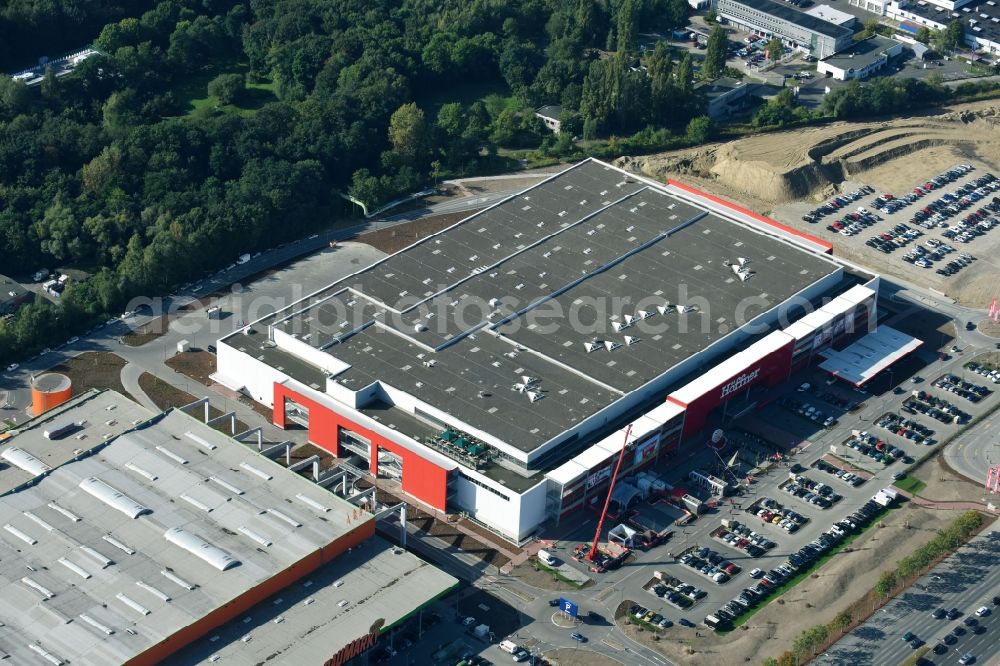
(491, 368)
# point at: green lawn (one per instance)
(192, 93)
(910, 485)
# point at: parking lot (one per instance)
(738, 554)
(942, 612)
(938, 231)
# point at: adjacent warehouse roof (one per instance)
(108, 555)
(798, 18)
(554, 303)
(312, 620)
(66, 433)
(869, 356)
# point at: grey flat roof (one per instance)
(800, 19)
(378, 582)
(985, 15)
(461, 318)
(862, 53)
(97, 417)
(7, 285)
(89, 583)
(720, 86)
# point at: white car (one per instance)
(12, 367)
(982, 611)
(756, 573)
(469, 621)
(73, 340)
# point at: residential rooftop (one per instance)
(463, 319)
(110, 554)
(980, 19)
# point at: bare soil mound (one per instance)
(784, 166)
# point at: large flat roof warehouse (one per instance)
(122, 553)
(65, 433)
(555, 303)
(801, 19)
(375, 583)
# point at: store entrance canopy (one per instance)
(869, 356)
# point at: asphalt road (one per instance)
(966, 580)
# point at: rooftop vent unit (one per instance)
(535, 396)
(645, 314)
(494, 302)
(520, 388)
(611, 345)
(592, 346)
(528, 380)
(631, 339)
(619, 326)
(745, 275)
(430, 363)
(629, 319)
(665, 308)
(419, 328)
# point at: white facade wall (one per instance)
(515, 518)
(256, 377)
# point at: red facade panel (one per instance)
(769, 370)
(421, 478)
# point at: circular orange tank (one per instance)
(48, 391)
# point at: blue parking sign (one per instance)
(568, 607)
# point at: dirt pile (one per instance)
(784, 166)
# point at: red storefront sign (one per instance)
(356, 647)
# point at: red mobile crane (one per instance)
(607, 502)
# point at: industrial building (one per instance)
(129, 535)
(861, 59)
(797, 29)
(491, 367)
(981, 19)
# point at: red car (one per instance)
(928, 185)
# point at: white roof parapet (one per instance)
(201, 549)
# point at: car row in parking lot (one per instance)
(898, 236)
(808, 411)
(923, 402)
(710, 564)
(948, 176)
(852, 223)
(877, 449)
(908, 428)
(847, 477)
(937, 212)
(985, 370)
(741, 537)
(811, 491)
(963, 389)
(835, 204)
(771, 511)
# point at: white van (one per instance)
(546, 556)
(510, 647)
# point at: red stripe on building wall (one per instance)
(827, 247)
(421, 478)
(241, 604)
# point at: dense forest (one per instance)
(120, 170)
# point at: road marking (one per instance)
(614, 645)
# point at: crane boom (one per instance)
(607, 502)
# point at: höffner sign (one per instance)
(738, 383)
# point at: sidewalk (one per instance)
(948, 505)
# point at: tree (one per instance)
(14, 97)
(923, 35)
(407, 132)
(871, 27)
(954, 35)
(715, 54)
(227, 88)
(711, 16)
(50, 85)
(775, 49)
(684, 76)
(626, 25)
(698, 130)
(886, 583)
